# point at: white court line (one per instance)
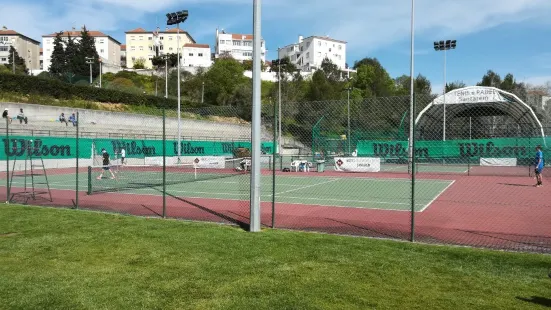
(304, 187)
(436, 197)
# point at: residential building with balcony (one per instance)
(238, 46)
(27, 48)
(308, 53)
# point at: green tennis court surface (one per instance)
(311, 189)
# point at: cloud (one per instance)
(366, 24)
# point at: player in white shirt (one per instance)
(123, 156)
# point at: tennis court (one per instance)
(312, 189)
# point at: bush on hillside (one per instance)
(33, 85)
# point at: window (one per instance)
(101, 51)
(247, 43)
(191, 54)
(4, 38)
(132, 48)
(170, 48)
(162, 38)
(340, 47)
(236, 43)
(140, 38)
(200, 54)
(132, 38)
(3, 59)
(302, 48)
(319, 43)
(329, 50)
(169, 38)
(162, 47)
(141, 48)
(47, 50)
(133, 58)
(150, 58)
(151, 48)
(150, 38)
(222, 42)
(307, 55)
(101, 41)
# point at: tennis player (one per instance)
(539, 163)
(123, 156)
(244, 165)
(106, 163)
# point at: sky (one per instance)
(507, 36)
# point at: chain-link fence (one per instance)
(335, 166)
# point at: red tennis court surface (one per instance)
(481, 211)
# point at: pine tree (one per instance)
(58, 63)
(20, 66)
(72, 60)
(87, 48)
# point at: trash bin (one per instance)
(320, 165)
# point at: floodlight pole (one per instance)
(255, 128)
(348, 108)
(90, 61)
(203, 92)
(444, 128)
(177, 18)
(411, 148)
(444, 46)
(279, 142)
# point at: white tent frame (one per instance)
(517, 100)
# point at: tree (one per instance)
(159, 61)
(73, 61)
(248, 65)
(20, 66)
(139, 63)
(421, 85)
(490, 79)
(58, 61)
(221, 80)
(375, 80)
(87, 48)
(455, 85)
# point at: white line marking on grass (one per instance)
(304, 187)
(436, 197)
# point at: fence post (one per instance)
(164, 163)
(274, 165)
(6, 149)
(77, 155)
(89, 180)
(413, 172)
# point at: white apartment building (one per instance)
(196, 55)
(27, 48)
(123, 55)
(238, 46)
(309, 53)
(109, 49)
(141, 44)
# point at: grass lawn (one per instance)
(67, 259)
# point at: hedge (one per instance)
(25, 84)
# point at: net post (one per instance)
(7, 161)
(89, 180)
(164, 163)
(77, 155)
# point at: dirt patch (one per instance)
(9, 234)
(112, 107)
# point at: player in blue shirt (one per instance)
(539, 163)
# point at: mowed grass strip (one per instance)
(68, 259)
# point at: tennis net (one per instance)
(113, 178)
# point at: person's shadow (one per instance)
(537, 300)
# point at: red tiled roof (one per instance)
(137, 30)
(197, 45)
(9, 32)
(41, 50)
(77, 33)
(242, 36)
(123, 47)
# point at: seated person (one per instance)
(73, 119)
(21, 117)
(5, 115)
(62, 119)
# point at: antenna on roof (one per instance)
(4, 28)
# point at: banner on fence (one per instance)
(490, 148)
(498, 162)
(46, 147)
(357, 164)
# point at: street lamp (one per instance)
(203, 93)
(444, 46)
(90, 61)
(100, 70)
(165, 57)
(279, 62)
(175, 19)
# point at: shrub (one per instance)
(33, 85)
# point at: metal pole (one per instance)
(90, 73)
(203, 93)
(279, 142)
(100, 71)
(166, 77)
(179, 121)
(77, 155)
(255, 128)
(164, 163)
(7, 160)
(411, 121)
(274, 166)
(13, 60)
(348, 105)
(444, 128)
(470, 128)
